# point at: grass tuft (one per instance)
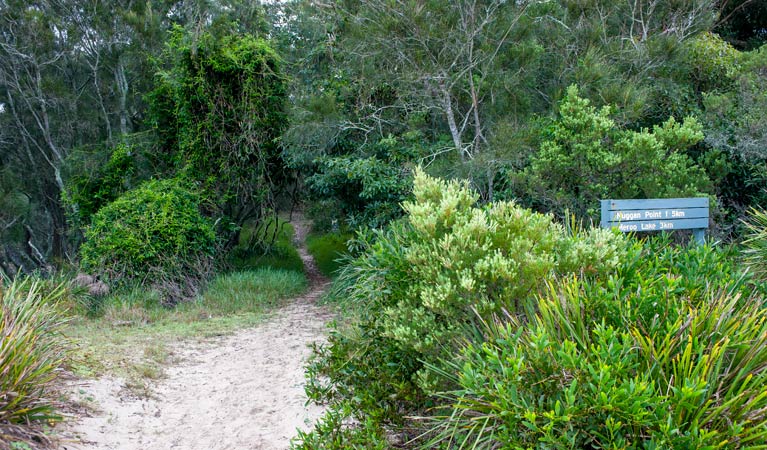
(32, 352)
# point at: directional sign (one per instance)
(657, 215)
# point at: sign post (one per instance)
(666, 214)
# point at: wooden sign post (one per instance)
(657, 214)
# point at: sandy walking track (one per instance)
(244, 391)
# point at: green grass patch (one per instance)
(132, 335)
(267, 245)
(327, 249)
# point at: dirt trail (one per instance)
(244, 391)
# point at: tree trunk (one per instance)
(447, 102)
(122, 98)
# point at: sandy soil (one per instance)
(244, 391)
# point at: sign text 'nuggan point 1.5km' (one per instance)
(657, 215)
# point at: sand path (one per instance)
(243, 391)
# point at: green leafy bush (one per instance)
(713, 63)
(331, 433)
(421, 285)
(586, 156)
(670, 351)
(155, 229)
(32, 351)
(362, 189)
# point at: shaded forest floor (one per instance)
(241, 391)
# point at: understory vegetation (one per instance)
(495, 327)
(328, 250)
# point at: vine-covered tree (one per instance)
(219, 110)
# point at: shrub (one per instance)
(362, 190)
(31, 352)
(713, 62)
(420, 285)
(644, 358)
(153, 232)
(586, 156)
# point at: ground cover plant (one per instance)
(328, 250)
(32, 352)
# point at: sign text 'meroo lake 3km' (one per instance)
(657, 215)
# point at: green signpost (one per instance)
(666, 214)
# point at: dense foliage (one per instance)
(150, 233)
(96, 185)
(362, 190)
(667, 352)
(498, 327)
(219, 111)
(586, 157)
(427, 281)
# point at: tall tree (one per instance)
(222, 99)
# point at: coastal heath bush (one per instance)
(427, 281)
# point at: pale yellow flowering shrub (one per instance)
(467, 262)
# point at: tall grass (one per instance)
(251, 291)
(32, 350)
(755, 251)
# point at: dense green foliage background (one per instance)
(335, 103)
